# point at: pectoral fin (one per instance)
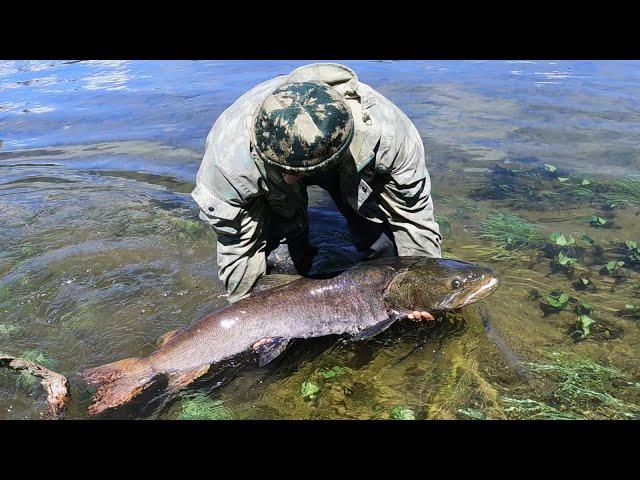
(269, 348)
(374, 330)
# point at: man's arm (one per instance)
(406, 196)
(240, 240)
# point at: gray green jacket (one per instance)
(236, 190)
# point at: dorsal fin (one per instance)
(272, 281)
(166, 337)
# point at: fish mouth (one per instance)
(459, 300)
(484, 291)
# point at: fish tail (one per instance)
(117, 382)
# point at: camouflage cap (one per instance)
(302, 127)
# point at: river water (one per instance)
(101, 249)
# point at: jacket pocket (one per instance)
(212, 206)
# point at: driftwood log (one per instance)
(56, 385)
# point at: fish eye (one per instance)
(456, 283)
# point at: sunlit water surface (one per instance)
(101, 249)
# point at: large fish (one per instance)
(360, 302)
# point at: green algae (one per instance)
(334, 372)
(557, 300)
(584, 325)
(309, 390)
(444, 223)
(8, 329)
(38, 357)
(26, 380)
(599, 222)
(403, 413)
(532, 409)
(472, 413)
(202, 407)
(586, 388)
(463, 207)
(561, 239)
(564, 260)
(510, 231)
(626, 189)
(5, 291)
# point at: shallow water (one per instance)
(101, 249)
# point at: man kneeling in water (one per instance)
(316, 126)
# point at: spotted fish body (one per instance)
(360, 302)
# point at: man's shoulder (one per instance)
(395, 128)
(385, 111)
(227, 149)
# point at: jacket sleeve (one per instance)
(406, 195)
(239, 227)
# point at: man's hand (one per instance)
(420, 316)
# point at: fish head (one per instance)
(432, 284)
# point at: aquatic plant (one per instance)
(582, 193)
(599, 222)
(633, 251)
(6, 329)
(201, 407)
(510, 231)
(521, 187)
(309, 390)
(472, 413)
(557, 300)
(584, 325)
(588, 240)
(583, 386)
(533, 409)
(25, 379)
(446, 254)
(566, 261)
(630, 310)
(541, 188)
(626, 189)
(583, 308)
(583, 283)
(39, 357)
(444, 223)
(5, 290)
(562, 239)
(191, 228)
(463, 205)
(613, 267)
(334, 372)
(403, 413)
(28, 251)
